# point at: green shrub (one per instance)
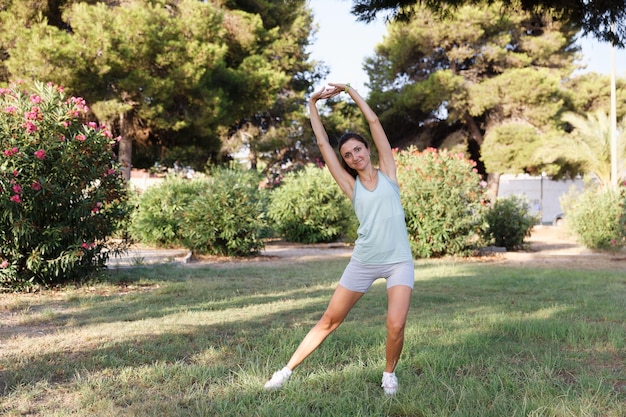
(227, 217)
(309, 207)
(157, 219)
(597, 217)
(61, 192)
(509, 222)
(442, 198)
(221, 215)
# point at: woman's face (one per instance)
(356, 154)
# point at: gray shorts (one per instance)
(359, 277)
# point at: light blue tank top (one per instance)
(382, 236)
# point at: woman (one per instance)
(382, 247)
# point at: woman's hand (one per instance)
(328, 91)
(339, 86)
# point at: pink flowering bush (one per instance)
(443, 202)
(61, 193)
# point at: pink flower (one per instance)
(81, 137)
(81, 105)
(66, 123)
(36, 186)
(88, 245)
(40, 154)
(30, 127)
(35, 99)
(79, 101)
(17, 188)
(15, 173)
(97, 207)
(16, 198)
(10, 109)
(92, 125)
(11, 152)
(4, 264)
(613, 242)
(33, 114)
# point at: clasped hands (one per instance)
(329, 90)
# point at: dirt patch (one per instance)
(548, 246)
(554, 247)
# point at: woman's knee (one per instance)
(395, 327)
(329, 321)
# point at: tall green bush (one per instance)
(61, 192)
(509, 222)
(597, 217)
(158, 217)
(443, 199)
(222, 214)
(227, 217)
(309, 207)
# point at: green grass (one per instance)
(481, 340)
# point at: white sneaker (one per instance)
(278, 379)
(390, 383)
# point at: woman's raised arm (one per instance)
(342, 177)
(386, 162)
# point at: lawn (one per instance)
(483, 339)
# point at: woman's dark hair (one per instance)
(343, 139)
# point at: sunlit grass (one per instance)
(481, 340)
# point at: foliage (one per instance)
(61, 193)
(509, 147)
(227, 217)
(590, 92)
(158, 216)
(603, 19)
(442, 197)
(509, 222)
(597, 217)
(310, 207)
(166, 74)
(219, 215)
(589, 143)
(496, 69)
(273, 135)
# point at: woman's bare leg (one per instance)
(399, 299)
(338, 308)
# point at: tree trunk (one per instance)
(253, 158)
(125, 152)
(493, 181)
(473, 128)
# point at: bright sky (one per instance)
(343, 44)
